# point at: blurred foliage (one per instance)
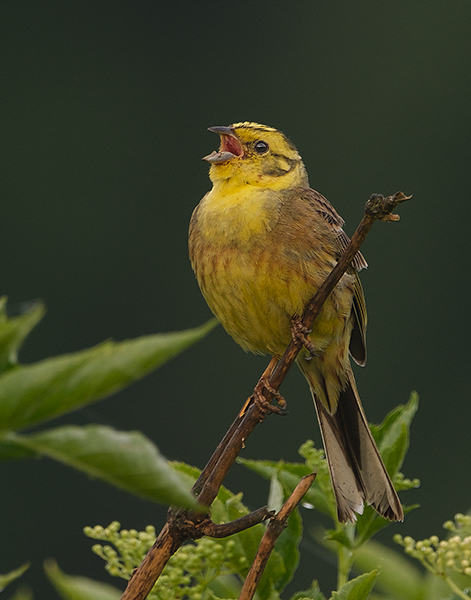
(205, 569)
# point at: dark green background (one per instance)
(104, 107)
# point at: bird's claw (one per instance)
(301, 338)
(259, 398)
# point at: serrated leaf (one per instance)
(79, 588)
(33, 393)
(394, 448)
(357, 589)
(313, 593)
(392, 436)
(12, 576)
(14, 330)
(128, 460)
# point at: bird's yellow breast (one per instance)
(254, 267)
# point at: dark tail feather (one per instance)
(357, 471)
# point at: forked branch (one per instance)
(275, 528)
(183, 525)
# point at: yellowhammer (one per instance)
(261, 243)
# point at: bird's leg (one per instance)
(301, 337)
(258, 396)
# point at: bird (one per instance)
(261, 243)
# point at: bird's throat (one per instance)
(238, 217)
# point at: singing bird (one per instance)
(261, 243)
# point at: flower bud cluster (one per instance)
(402, 483)
(443, 557)
(189, 571)
(315, 458)
(128, 547)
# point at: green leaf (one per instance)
(285, 558)
(22, 593)
(313, 593)
(128, 460)
(341, 536)
(275, 495)
(10, 450)
(392, 436)
(269, 593)
(228, 507)
(398, 577)
(357, 589)
(185, 471)
(370, 523)
(33, 393)
(224, 587)
(14, 330)
(287, 546)
(319, 495)
(12, 576)
(79, 588)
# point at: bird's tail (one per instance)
(358, 474)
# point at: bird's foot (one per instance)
(301, 337)
(258, 395)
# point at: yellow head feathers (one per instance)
(258, 155)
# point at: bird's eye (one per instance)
(261, 147)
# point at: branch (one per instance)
(274, 530)
(241, 524)
(182, 525)
(377, 208)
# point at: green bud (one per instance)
(398, 538)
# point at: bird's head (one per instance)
(253, 154)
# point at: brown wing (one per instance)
(357, 345)
(325, 209)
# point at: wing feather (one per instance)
(325, 209)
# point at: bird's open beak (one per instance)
(230, 146)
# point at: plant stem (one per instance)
(456, 590)
(345, 556)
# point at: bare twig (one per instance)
(241, 524)
(274, 530)
(181, 525)
(143, 579)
